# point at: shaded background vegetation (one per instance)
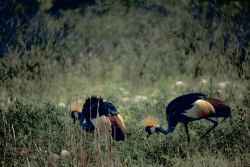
(137, 54)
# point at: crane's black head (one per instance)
(148, 130)
(151, 130)
(150, 123)
(75, 110)
(75, 116)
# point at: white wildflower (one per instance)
(64, 153)
(139, 98)
(223, 84)
(61, 105)
(204, 81)
(179, 83)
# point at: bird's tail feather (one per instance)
(221, 108)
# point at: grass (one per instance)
(135, 59)
(46, 130)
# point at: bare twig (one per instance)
(13, 131)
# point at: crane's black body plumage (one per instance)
(177, 106)
(95, 107)
(191, 107)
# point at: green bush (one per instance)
(26, 127)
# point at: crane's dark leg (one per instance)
(188, 136)
(209, 130)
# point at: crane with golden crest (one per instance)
(97, 114)
(187, 108)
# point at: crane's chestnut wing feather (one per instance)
(118, 127)
(221, 108)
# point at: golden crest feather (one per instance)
(76, 106)
(150, 121)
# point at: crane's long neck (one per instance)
(170, 129)
(165, 131)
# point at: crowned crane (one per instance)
(96, 113)
(187, 108)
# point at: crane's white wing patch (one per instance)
(122, 121)
(201, 108)
(102, 123)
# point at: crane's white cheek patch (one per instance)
(76, 115)
(152, 129)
